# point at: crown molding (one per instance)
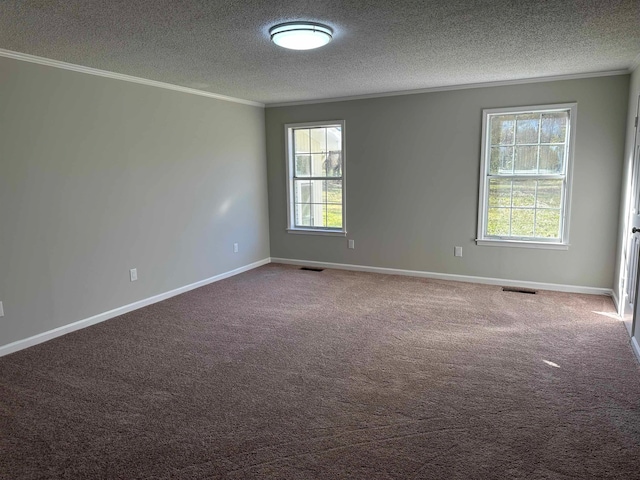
(25, 57)
(445, 88)
(119, 76)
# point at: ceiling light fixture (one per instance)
(300, 35)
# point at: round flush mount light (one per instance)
(301, 35)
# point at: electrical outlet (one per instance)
(133, 274)
(352, 244)
(1, 310)
(457, 251)
(235, 248)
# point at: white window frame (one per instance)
(563, 242)
(290, 157)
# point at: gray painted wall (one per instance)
(412, 182)
(98, 176)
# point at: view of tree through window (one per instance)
(526, 174)
(317, 177)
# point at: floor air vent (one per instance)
(312, 269)
(519, 290)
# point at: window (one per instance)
(316, 175)
(525, 177)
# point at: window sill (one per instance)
(310, 231)
(521, 244)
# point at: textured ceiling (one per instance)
(379, 45)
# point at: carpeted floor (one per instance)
(289, 374)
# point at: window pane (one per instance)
(334, 216)
(318, 165)
(548, 223)
(334, 139)
(498, 222)
(524, 193)
(318, 140)
(301, 140)
(551, 159)
(318, 215)
(302, 191)
(501, 160)
(333, 164)
(308, 191)
(549, 194)
(333, 191)
(303, 166)
(502, 127)
(499, 192)
(522, 222)
(310, 214)
(526, 160)
(303, 215)
(554, 127)
(527, 126)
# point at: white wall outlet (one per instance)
(133, 274)
(352, 244)
(457, 251)
(235, 248)
(1, 310)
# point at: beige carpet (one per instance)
(290, 374)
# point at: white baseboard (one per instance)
(635, 347)
(57, 332)
(449, 276)
(616, 302)
(101, 317)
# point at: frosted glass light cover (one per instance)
(301, 35)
